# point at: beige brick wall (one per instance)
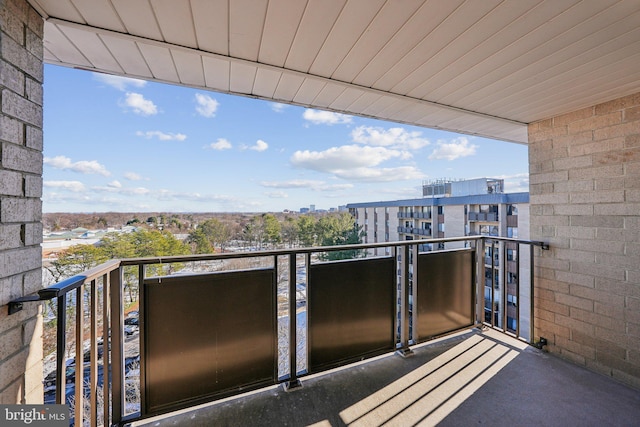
(585, 201)
(21, 76)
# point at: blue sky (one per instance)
(116, 144)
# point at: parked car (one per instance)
(133, 321)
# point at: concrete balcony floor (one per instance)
(472, 378)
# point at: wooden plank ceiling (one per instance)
(484, 67)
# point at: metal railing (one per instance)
(352, 309)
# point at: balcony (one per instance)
(212, 327)
(466, 379)
(483, 217)
(415, 230)
(417, 215)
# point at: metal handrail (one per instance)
(111, 272)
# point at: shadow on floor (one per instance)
(472, 378)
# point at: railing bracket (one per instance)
(14, 307)
(17, 304)
(405, 352)
(291, 385)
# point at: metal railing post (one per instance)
(293, 381)
(532, 294)
(106, 375)
(502, 265)
(404, 304)
(94, 354)
(480, 281)
(142, 331)
(61, 345)
(518, 300)
(79, 380)
(414, 333)
(117, 346)
(493, 284)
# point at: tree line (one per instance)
(261, 231)
(266, 231)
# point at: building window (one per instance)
(512, 209)
(512, 232)
(512, 254)
(490, 230)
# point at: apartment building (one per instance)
(452, 208)
(447, 209)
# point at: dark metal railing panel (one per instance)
(351, 310)
(207, 335)
(445, 292)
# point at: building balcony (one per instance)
(415, 230)
(483, 217)
(416, 215)
(212, 327)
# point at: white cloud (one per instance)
(333, 187)
(277, 195)
(397, 138)
(259, 146)
(344, 157)
(162, 136)
(458, 147)
(355, 162)
(318, 117)
(220, 144)
(82, 166)
(132, 176)
(306, 184)
(278, 107)
(140, 105)
(207, 106)
(294, 183)
(380, 174)
(116, 187)
(118, 82)
(75, 186)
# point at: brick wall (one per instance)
(585, 200)
(21, 50)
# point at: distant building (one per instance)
(453, 209)
(449, 209)
(304, 210)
